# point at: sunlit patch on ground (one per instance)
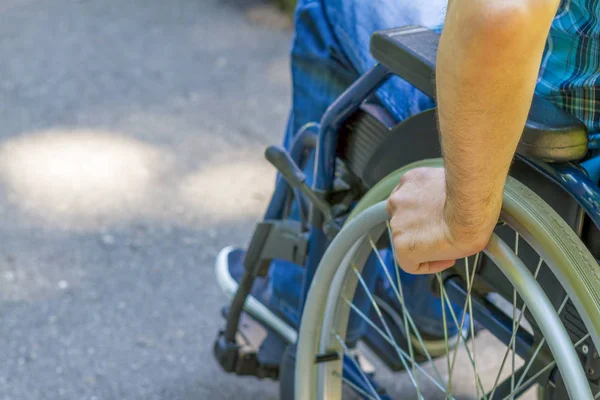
(228, 188)
(90, 180)
(81, 174)
(269, 16)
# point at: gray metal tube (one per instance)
(306, 382)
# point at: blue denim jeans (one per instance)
(330, 50)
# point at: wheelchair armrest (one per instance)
(411, 51)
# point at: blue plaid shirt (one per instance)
(570, 68)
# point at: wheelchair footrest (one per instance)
(244, 356)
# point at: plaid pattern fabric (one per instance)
(570, 70)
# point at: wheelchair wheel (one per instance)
(535, 288)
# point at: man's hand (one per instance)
(425, 239)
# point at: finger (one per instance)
(403, 245)
(398, 186)
(423, 247)
(406, 264)
(390, 208)
(433, 267)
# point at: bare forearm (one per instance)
(488, 62)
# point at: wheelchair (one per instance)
(355, 327)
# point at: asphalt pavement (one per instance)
(131, 139)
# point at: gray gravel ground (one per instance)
(131, 136)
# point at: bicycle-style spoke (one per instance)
(541, 371)
(445, 322)
(358, 367)
(514, 336)
(514, 331)
(511, 395)
(387, 329)
(541, 344)
(368, 321)
(400, 297)
(470, 280)
(473, 341)
(438, 384)
(397, 289)
(412, 356)
(442, 290)
(462, 339)
(356, 387)
(514, 342)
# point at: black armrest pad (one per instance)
(409, 52)
(543, 115)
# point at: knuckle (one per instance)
(392, 204)
(388, 206)
(413, 244)
(398, 199)
(398, 186)
(416, 174)
(423, 268)
(395, 203)
(403, 244)
(397, 232)
(407, 177)
(411, 268)
(479, 244)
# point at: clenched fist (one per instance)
(425, 237)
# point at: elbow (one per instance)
(511, 20)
